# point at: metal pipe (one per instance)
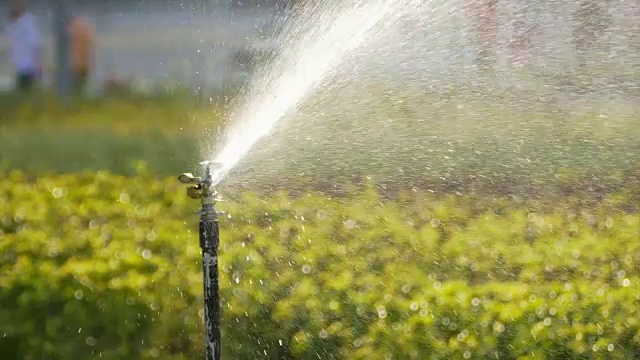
(209, 232)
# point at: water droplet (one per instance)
(414, 306)
(323, 334)
(93, 224)
(124, 198)
(382, 313)
(547, 321)
(146, 254)
(626, 282)
(609, 223)
(306, 269)
(467, 354)
(91, 341)
(610, 347)
(475, 301)
(58, 192)
(350, 224)
(568, 286)
(78, 294)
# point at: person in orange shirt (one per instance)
(82, 46)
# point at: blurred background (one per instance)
(212, 46)
(205, 45)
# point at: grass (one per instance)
(452, 141)
(42, 135)
(37, 151)
(440, 141)
(128, 114)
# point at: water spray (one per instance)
(209, 233)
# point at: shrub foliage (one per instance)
(102, 266)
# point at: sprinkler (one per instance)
(201, 188)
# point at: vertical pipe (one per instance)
(209, 242)
(62, 47)
(209, 234)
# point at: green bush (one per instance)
(94, 265)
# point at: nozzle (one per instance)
(188, 178)
(201, 186)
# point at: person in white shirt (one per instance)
(26, 45)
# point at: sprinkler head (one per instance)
(188, 178)
(200, 185)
